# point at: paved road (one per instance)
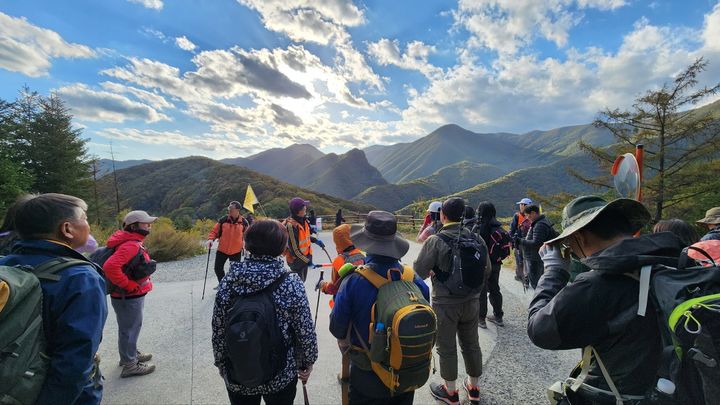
(177, 331)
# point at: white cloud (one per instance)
(509, 26)
(211, 143)
(28, 49)
(156, 101)
(387, 52)
(151, 4)
(185, 44)
(91, 105)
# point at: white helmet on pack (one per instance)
(435, 206)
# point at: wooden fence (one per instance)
(328, 221)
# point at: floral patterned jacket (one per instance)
(293, 314)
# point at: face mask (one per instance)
(143, 232)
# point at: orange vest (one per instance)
(303, 242)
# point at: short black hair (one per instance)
(531, 208)
(610, 224)
(266, 237)
(486, 211)
(469, 212)
(40, 216)
(454, 208)
(680, 228)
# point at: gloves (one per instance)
(553, 258)
(320, 243)
(516, 241)
(314, 266)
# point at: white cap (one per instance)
(435, 206)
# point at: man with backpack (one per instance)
(229, 229)
(519, 227)
(498, 242)
(541, 230)
(299, 252)
(61, 317)
(599, 310)
(384, 370)
(457, 261)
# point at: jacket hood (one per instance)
(122, 236)
(633, 253)
(254, 273)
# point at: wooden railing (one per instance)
(328, 221)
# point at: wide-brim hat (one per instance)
(712, 217)
(379, 236)
(579, 212)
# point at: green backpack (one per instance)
(403, 328)
(23, 361)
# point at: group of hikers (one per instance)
(598, 286)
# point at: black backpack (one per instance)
(137, 268)
(255, 346)
(500, 244)
(467, 263)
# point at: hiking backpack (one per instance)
(687, 309)
(500, 244)
(136, 269)
(467, 263)
(403, 328)
(255, 346)
(23, 359)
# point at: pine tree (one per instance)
(679, 142)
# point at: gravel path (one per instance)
(515, 372)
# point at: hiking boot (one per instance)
(497, 321)
(473, 391)
(482, 323)
(439, 392)
(141, 357)
(130, 370)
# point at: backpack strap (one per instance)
(49, 269)
(371, 276)
(645, 273)
(588, 353)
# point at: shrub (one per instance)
(165, 243)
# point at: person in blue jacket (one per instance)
(74, 307)
(384, 247)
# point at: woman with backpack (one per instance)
(127, 272)
(489, 229)
(263, 365)
(432, 224)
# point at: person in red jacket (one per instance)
(229, 229)
(128, 271)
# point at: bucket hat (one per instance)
(379, 235)
(712, 217)
(582, 210)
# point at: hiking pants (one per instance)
(300, 267)
(357, 398)
(285, 396)
(534, 270)
(461, 320)
(492, 286)
(220, 259)
(519, 266)
(129, 314)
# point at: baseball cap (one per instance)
(138, 216)
(297, 204)
(525, 201)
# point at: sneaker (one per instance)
(439, 392)
(130, 370)
(497, 321)
(482, 324)
(473, 391)
(141, 357)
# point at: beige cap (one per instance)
(138, 216)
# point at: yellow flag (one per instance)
(250, 199)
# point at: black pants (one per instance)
(286, 396)
(357, 398)
(300, 267)
(220, 259)
(493, 288)
(519, 266)
(534, 270)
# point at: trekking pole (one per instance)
(305, 395)
(317, 304)
(328, 254)
(207, 266)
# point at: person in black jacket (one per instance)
(599, 308)
(486, 225)
(541, 230)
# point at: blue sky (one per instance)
(226, 78)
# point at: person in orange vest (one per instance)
(519, 227)
(299, 251)
(229, 229)
(347, 253)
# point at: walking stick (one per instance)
(317, 304)
(305, 395)
(207, 266)
(328, 254)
